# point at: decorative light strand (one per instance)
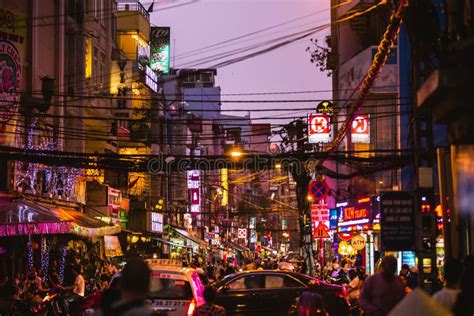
(62, 264)
(30, 253)
(45, 247)
(59, 181)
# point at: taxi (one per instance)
(174, 290)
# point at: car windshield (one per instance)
(170, 286)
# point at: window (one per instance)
(102, 12)
(206, 76)
(247, 282)
(169, 286)
(279, 281)
(95, 64)
(96, 8)
(103, 71)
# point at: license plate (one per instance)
(169, 303)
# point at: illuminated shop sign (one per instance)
(156, 222)
(194, 185)
(355, 215)
(319, 128)
(160, 49)
(151, 80)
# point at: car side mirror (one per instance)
(224, 289)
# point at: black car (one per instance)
(267, 292)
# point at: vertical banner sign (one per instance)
(333, 218)
(156, 222)
(397, 216)
(360, 130)
(160, 49)
(319, 128)
(194, 185)
(12, 52)
(225, 186)
(253, 231)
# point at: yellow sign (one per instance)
(225, 186)
(358, 242)
(346, 249)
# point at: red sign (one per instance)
(360, 131)
(321, 231)
(319, 213)
(318, 190)
(345, 236)
(319, 128)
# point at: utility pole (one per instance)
(296, 133)
(424, 160)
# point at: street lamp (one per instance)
(235, 153)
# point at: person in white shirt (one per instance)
(448, 295)
(73, 300)
(79, 286)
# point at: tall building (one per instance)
(387, 122)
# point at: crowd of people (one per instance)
(377, 295)
(380, 294)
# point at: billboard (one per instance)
(319, 128)
(360, 130)
(112, 246)
(355, 215)
(160, 49)
(194, 185)
(397, 210)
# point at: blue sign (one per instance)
(318, 190)
(333, 218)
(408, 257)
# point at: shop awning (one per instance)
(83, 225)
(25, 217)
(236, 246)
(151, 236)
(168, 242)
(187, 235)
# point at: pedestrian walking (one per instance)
(383, 290)
(210, 309)
(135, 286)
(448, 295)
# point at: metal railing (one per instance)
(130, 5)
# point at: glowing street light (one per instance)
(236, 153)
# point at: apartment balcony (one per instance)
(133, 19)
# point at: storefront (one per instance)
(358, 227)
(33, 231)
(189, 245)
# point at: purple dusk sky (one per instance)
(207, 22)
